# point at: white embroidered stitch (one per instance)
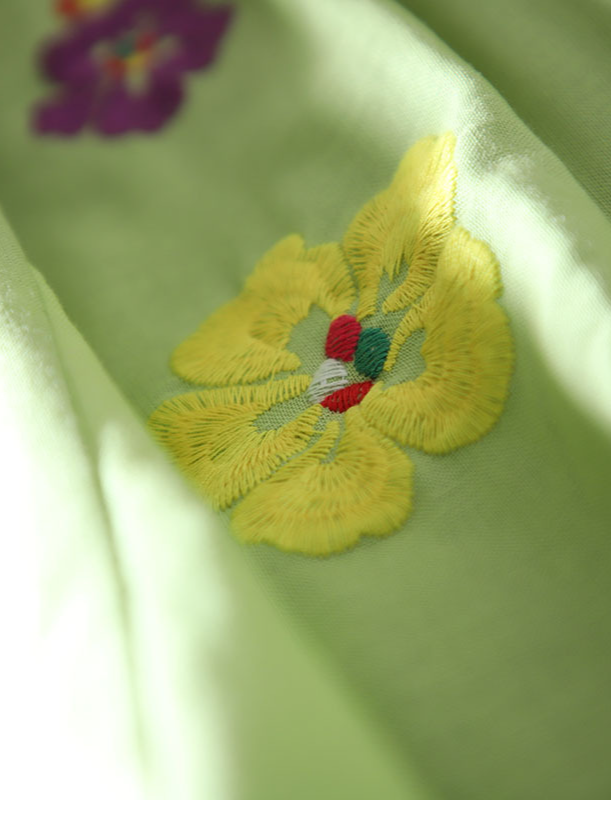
(329, 377)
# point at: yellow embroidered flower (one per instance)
(308, 456)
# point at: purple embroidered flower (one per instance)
(121, 68)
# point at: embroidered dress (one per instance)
(316, 485)
(430, 360)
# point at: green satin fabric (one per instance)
(466, 656)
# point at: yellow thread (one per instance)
(408, 222)
(322, 507)
(468, 353)
(212, 436)
(245, 340)
(321, 499)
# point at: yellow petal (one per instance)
(319, 506)
(468, 353)
(213, 436)
(245, 340)
(408, 222)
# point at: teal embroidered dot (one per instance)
(124, 47)
(371, 352)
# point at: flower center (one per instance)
(129, 55)
(347, 341)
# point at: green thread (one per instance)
(371, 352)
(124, 47)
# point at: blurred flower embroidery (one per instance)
(120, 65)
(318, 476)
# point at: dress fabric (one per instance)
(464, 654)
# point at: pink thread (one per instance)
(342, 338)
(347, 397)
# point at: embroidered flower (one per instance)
(310, 454)
(120, 65)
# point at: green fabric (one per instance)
(551, 62)
(468, 655)
(162, 668)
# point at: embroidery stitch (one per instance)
(210, 430)
(246, 339)
(341, 400)
(72, 9)
(371, 352)
(408, 222)
(317, 484)
(322, 507)
(120, 64)
(343, 337)
(331, 376)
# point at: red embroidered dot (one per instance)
(342, 338)
(146, 41)
(115, 67)
(68, 8)
(347, 397)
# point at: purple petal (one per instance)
(164, 98)
(199, 32)
(120, 111)
(113, 108)
(69, 58)
(66, 114)
(69, 62)
(114, 113)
